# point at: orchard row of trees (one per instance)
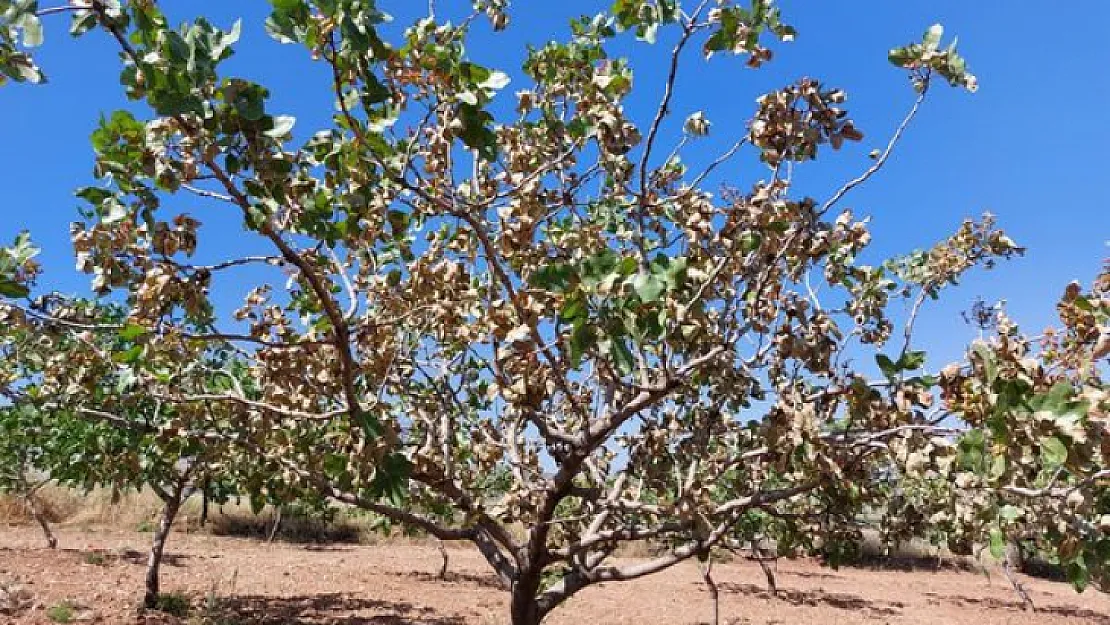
(545, 293)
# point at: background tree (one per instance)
(78, 420)
(21, 453)
(1031, 469)
(24, 434)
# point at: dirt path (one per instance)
(260, 584)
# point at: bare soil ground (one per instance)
(260, 584)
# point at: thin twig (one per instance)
(871, 171)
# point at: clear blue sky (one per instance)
(1029, 146)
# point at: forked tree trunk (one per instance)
(40, 517)
(158, 546)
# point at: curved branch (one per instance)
(871, 171)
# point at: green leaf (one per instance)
(1010, 513)
(131, 331)
(221, 47)
(998, 544)
(911, 360)
(10, 288)
(648, 287)
(902, 57)
(477, 133)
(289, 21)
(990, 366)
(116, 213)
(127, 380)
(750, 241)
(391, 479)
(1053, 452)
(554, 277)
(82, 23)
(621, 355)
(370, 425)
(129, 356)
(93, 195)
(335, 465)
(886, 365)
(674, 273)
(998, 467)
(1078, 574)
(574, 308)
(1057, 400)
(496, 81)
(398, 222)
(582, 339)
(972, 449)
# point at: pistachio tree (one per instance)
(1033, 464)
(24, 453)
(20, 463)
(548, 293)
(77, 420)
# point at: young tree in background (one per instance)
(23, 446)
(21, 462)
(76, 418)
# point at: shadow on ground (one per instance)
(329, 609)
(843, 601)
(464, 579)
(807, 575)
(104, 557)
(909, 563)
(1015, 605)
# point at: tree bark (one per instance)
(204, 504)
(707, 574)
(277, 525)
(158, 546)
(768, 572)
(38, 515)
(524, 609)
(442, 554)
(1008, 570)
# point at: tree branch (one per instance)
(871, 171)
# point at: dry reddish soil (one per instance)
(259, 584)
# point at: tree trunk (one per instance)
(157, 548)
(1007, 569)
(524, 609)
(38, 515)
(707, 575)
(768, 572)
(204, 505)
(442, 554)
(277, 525)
